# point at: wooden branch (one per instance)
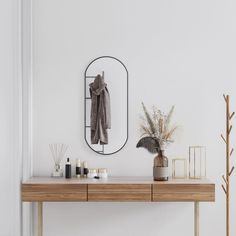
(223, 138)
(231, 116)
(225, 179)
(224, 188)
(230, 128)
(225, 98)
(232, 169)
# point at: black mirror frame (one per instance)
(85, 105)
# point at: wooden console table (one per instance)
(117, 189)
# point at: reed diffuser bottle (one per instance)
(58, 151)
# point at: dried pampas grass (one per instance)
(158, 125)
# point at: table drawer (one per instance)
(54, 192)
(183, 192)
(119, 192)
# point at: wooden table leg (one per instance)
(196, 218)
(40, 218)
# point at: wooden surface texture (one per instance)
(117, 189)
(54, 192)
(119, 192)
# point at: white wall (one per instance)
(177, 52)
(10, 157)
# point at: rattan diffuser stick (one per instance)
(229, 152)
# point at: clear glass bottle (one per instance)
(160, 168)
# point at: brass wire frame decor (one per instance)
(197, 162)
(183, 162)
(229, 152)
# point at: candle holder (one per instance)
(58, 151)
(197, 162)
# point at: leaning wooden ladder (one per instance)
(229, 152)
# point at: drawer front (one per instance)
(119, 192)
(183, 192)
(54, 192)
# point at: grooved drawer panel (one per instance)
(54, 192)
(183, 192)
(119, 192)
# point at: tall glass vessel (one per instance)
(160, 168)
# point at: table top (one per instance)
(114, 180)
(117, 189)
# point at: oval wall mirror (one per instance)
(106, 105)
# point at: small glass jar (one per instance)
(57, 172)
(92, 173)
(102, 173)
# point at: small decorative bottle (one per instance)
(85, 169)
(78, 168)
(160, 168)
(68, 169)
